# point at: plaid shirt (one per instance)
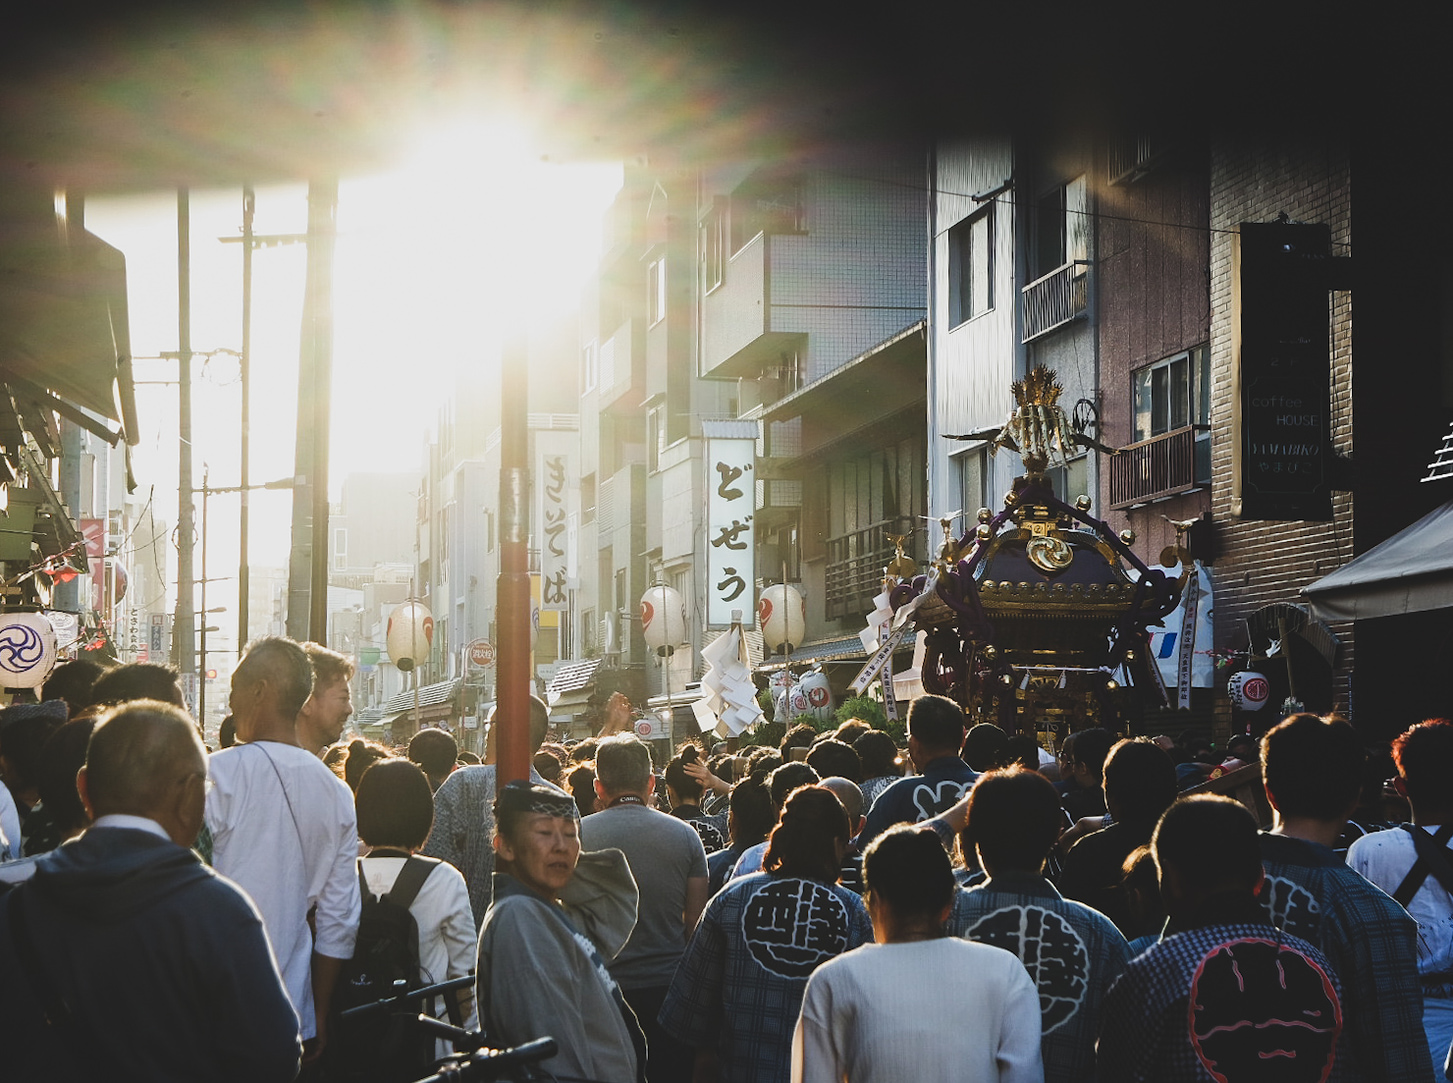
(1153, 1029)
(1373, 944)
(740, 984)
(463, 832)
(1072, 952)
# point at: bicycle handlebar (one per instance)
(407, 996)
(489, 1064)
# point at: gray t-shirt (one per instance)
(663, 853)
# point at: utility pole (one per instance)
(308, 561)
(184, 621)
(202, 632)
(251, 242)
(244, 584)
(512, 696)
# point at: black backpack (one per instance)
(386, 1044)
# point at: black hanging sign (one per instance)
(1282, 368)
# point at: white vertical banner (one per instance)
(731, 502)
(1181, 644)
(553, 483)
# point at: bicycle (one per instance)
(474, 1060)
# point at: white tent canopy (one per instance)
(1411, 572)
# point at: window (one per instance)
(587, 498)
(340, 548)
(973, 482)
(1174, 394)
(971, 267)
(655, 440)
(1062, 227)
(589, 629)
(1070, 480)
(589, 364)
(656, 291)
(713, 250)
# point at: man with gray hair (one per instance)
(283, 826)
(126, 957)
(668, 862)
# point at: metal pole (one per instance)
(202, 634)
(414, 651)
(512, 697)
(325, 195)
(244, 584)
(308, 559)
(184, 622)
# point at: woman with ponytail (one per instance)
(737, 992)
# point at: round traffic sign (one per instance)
(481, 652)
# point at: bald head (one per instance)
(140, 755)
(848, 792)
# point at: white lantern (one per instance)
(1249, 691)
(410, 634)
(27, 649)
(782, 614)
(663, 619)
(811, 696)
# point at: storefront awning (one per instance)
(65, 338)
(837, 649)
(429, 696)
(1411, 572)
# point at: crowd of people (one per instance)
(969, 907)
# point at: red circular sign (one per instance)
(481, 652)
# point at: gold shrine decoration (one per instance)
(1038, 428)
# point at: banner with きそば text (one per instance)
(552, 482)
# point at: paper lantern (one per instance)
(410, 634)
(1249, 690)
(782, 614)
(812, 696)
(663, 619)
(27, 649)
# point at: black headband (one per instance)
(523, 797)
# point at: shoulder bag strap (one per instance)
(1432, 860)
(410, 879)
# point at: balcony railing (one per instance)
(854, 572)
(1056, 299)
(1155, 468)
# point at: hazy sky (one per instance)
(434, 261)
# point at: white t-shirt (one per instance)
(9, 825)
(283, 827)
(1386, 858)
(928, 1009)
(447, 942)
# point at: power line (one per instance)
(1010, 201)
